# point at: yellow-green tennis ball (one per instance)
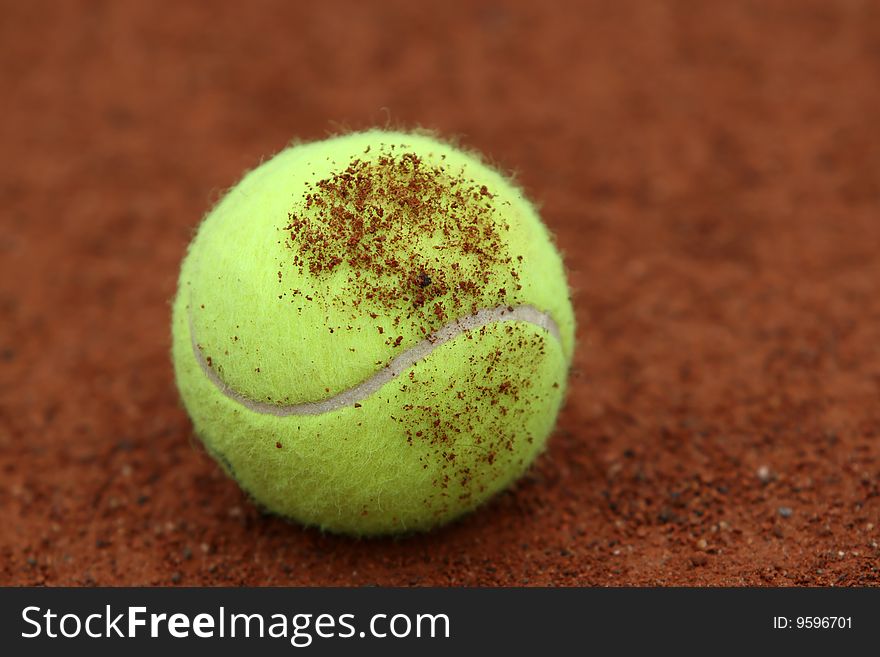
(372, 333)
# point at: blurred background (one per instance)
(711, 171)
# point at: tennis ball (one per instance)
(372, 333)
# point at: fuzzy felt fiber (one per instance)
(318, 269)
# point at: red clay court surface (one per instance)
(711, 171)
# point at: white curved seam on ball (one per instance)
(397, 366)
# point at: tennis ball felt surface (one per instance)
(372, 333)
